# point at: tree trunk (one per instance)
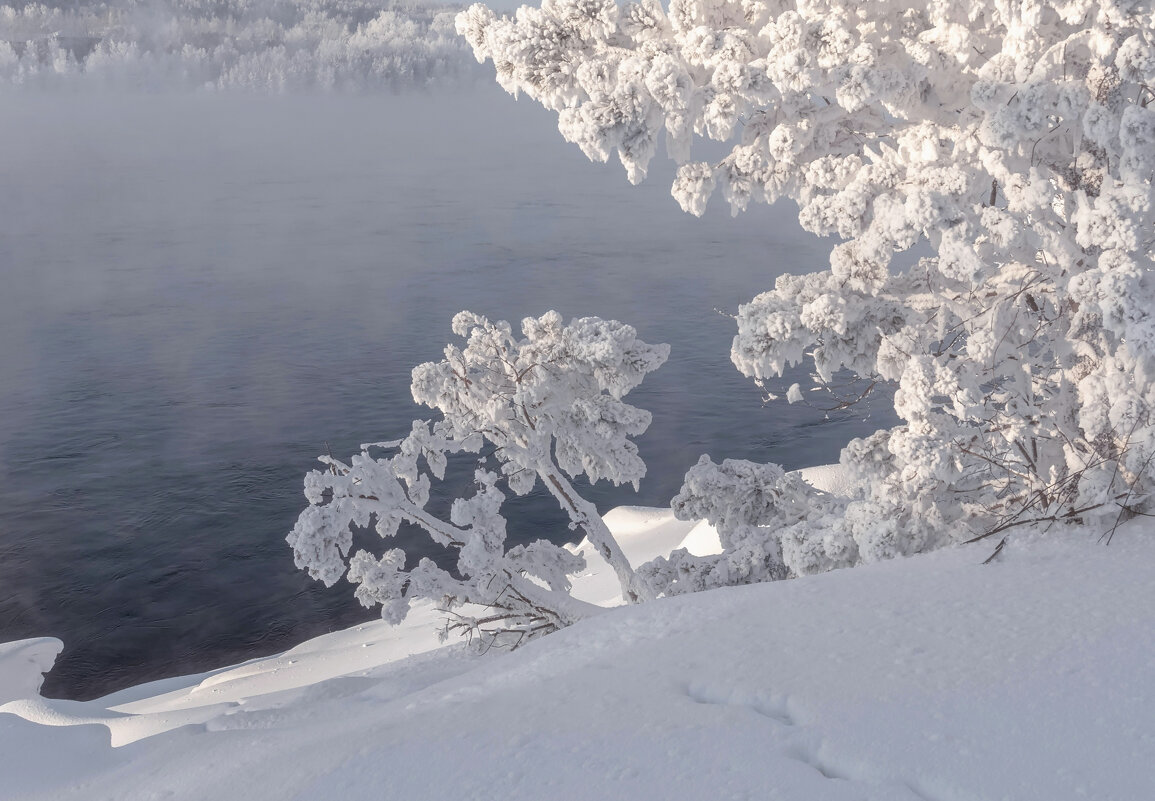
(585, 515)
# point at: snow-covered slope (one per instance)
(935, 678)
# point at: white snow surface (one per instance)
(932, 678)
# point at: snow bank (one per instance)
(931, 678)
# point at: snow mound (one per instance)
(702, 540)
(830, 478)
(23, 664)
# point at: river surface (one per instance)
(202, 293)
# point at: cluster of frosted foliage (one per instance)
(756, 510)
(263, 46)
(1013, 142)
(544, 407)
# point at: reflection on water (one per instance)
(202, 294)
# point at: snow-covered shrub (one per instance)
(1014, 142)
(748, 504)
(544, 407)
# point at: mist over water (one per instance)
(202, 293)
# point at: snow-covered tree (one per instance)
(544, 407)
(1012, 141)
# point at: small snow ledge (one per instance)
(23, 664)
(830, 478)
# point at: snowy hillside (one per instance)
(934, 678)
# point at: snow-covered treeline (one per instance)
(250, 45)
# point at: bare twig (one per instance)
(998, 550)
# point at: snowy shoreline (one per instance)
(933, 677)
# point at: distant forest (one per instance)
(250, 45)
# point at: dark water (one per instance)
(201, 294)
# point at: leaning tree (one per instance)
(987, 170)
(537, 409)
